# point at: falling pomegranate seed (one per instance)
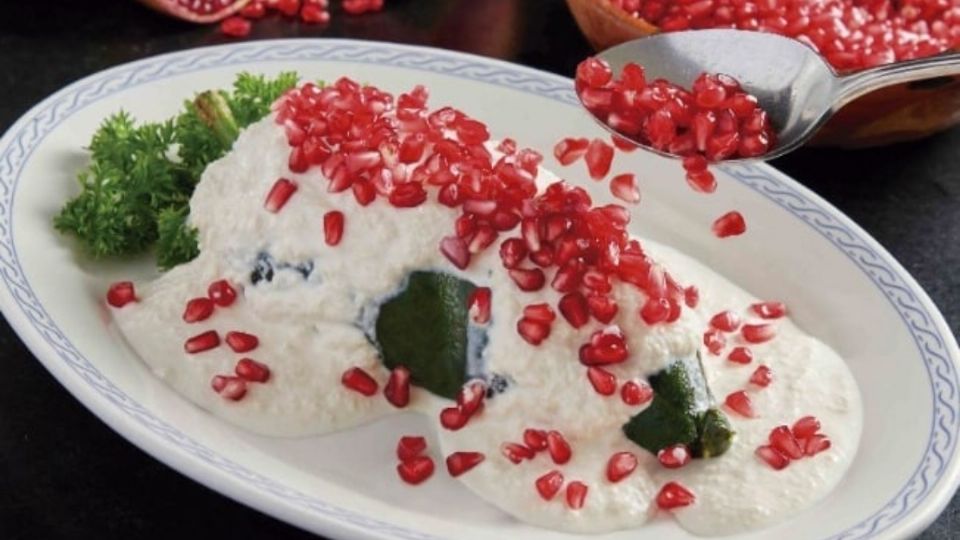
(232, 388)
(410, 446)
(358, 380)
(416, 470)
(604, 382)
(674, 457)
(279, 194)
(250, 370)
(758, 333)
(558, 447)
(740, 355)
(198, 309)
(701, 181)
(634, 393)
(202, 342)
(535, 439)
(549, 484)
(729, 224)
(620, 466)
(397, 389)
(714, 341)
(333, 227)
(470, 398)
(762, 376)
(599, 156)
(815, 444)
(772, 457)
(725, 321)
(769, 310)
(624, 187)
(461, 462)
(121, 293)
(805, 427)
(576, 494)
(516, 452)
(222, 293)
(783, 440)
(237, 27)
(478, 304)
(241, 342)
(673, 495)
(739, 402)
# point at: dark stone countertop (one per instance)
(64, 474)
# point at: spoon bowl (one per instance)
(793, 83)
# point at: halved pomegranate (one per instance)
(198, 11)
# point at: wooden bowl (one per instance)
(894, 114)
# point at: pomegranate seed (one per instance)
(739, 402)
(315, 14)
(622, 144)
(783, 440)
(624, 187)
(758, 333)
(714, 341)
(528, 279)
(729, 224)
(202, 342)
(470, 398)
(655, 310)
(535, 439)
(253, 10)
(484, 236)
(461, 462)
(478, 304)
(576, 495)
(805, 427)
(410, 446)
(769, 310)
(573, 306)
(512, 252)
(691, 296)
(606, 346)
(232, 388)
(740, 355)
(633, 393)
(694, 163)
(121, 293)
(453, 418)
(287, 7)
(507, 146)
(594, 72)
(539, 312)
(602, 308)
(279, 194)
(407, 195)
(725, 321)
(549, 484)
(241, 342)
(516, 452)
(599, 156)
(333, 227)
(455, 250)
(397, 389)
(416, 470)
(673, 495)
(249, 369)
(358, 380)
(222, 293)
(772, 457)
(567, 278)
(604, 382)
(762, 377)
(815, 444)
(235, 27)
(198, 309)
(674, 457)
(620, 466)
(558, 447)
(533, 331)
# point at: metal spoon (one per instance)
(795, 85)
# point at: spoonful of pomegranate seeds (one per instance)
(728, 94)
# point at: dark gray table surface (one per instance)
(64, 474)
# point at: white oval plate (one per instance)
(839, 283)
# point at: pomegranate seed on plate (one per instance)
(725, 321)
(410, 446)
(333, 227)
(674, 495)
(478, 304)
(198, 309)
(624, 187)
(250, 370)
(674, 457)
(416, 470)
(232, 388)
(535, 439)
(691, 296)
(549, 484)
(620, 466)
(121, 293)
(573, 307)
(558, 447)
(407, 195)
(202, 342)
(453, 418)
(222, 293)
(594, 72)
(528, 279)
(739, 402)
(740, 355)
(762, 376)
(533, 331)
(805, 427)
(772, 457)
(470, 398)
(312, 13)
(714, 341)
(634, 393)
(815, 444)
(253, 10)
(607, 346)
(758, 333)
(576, 494)
(516, 452)
(235, 27)
(397, 389)
(241, 342)
(599, 156)
(602, 308)
(604, 382)
(455, 250)
(461, 462)
(358, 380)
(783, 440)
(769, 310)
(729, 224)
(279, 194)
(512, 252)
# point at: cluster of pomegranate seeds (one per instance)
(414, 467)
(534, 326)
(121, 293)
(715, 119)
(674, 457)
(674, 495)
(786, 444)
(850, 34)
(535, 441)
(306, 11)
(469, 402)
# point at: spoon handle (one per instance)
(853, 86)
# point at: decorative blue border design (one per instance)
(932, 346)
